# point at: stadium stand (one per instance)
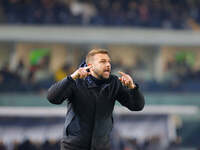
(180, 14)
(180, 75)
(42, 41)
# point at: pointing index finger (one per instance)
(121, 73)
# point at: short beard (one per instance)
(99, 76)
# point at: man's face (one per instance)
(101, 66)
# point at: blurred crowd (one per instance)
(179, 77)
(31, 145)
(175, 14)
(152, 143)
(35, 78)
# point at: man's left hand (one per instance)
(126, 80)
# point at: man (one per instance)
(91, 93)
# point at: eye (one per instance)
(102, 61)
(105, 61)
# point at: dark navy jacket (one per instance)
(91, 101)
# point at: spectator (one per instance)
(8, 79)
(153, 13)
(2, 146)
(2, 19)
(27, 145)
(63, 72)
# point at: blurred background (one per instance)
(157, 42)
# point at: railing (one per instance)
(98, 35)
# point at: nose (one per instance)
(108, 64)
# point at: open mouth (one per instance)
(107, 70)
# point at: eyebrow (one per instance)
(105, 59)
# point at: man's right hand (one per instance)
(81, 73)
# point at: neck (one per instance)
(98, 81)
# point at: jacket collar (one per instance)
(93, 82)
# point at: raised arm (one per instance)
(61, 90)
(129, 95)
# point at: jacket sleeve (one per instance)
(131, 98)
(61, 90)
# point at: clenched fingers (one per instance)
(83, 72)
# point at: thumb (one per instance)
(89, 73)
